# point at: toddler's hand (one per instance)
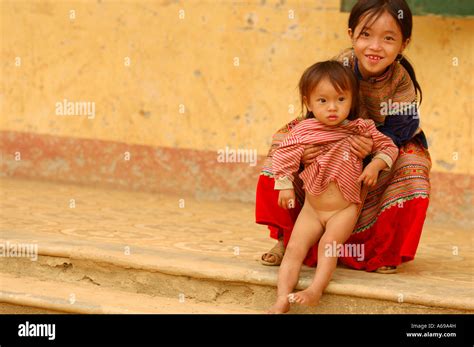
(369, 176)
(310, 154)
(286, 198)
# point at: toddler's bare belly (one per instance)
(330, 200)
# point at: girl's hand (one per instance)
(361, 145)
(286, 198)
(369, 176)
(310, 153)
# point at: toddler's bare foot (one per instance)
(308, 297)
(281, 306)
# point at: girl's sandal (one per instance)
(386, 270)
(277, 251)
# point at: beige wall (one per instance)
(190, 61)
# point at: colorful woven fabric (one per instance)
(409, 179)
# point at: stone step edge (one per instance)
(217, 269)
(88, 300)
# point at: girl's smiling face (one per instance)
(376, 46)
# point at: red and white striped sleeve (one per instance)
(383, 147)
(286, 159)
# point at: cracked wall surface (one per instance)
(204, 75)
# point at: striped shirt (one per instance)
(336, 161)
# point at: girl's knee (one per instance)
(328, 245)
(328, 240)
(295, 251)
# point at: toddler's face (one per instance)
(327, 104)
(377, 47)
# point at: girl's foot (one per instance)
(386, 270)
(274, 256)
(281, 306)
(307, 297)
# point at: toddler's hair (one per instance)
(341, 77)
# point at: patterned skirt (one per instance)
(390, 219)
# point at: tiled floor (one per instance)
(58, 214)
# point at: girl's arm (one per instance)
(384, 147)
(370, 173)
(361, 145)
(385, 155)
(286, 161)
(401, 127)
(402, 119)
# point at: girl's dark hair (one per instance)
(341, 77)
(400, 11)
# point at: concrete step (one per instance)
(244, 285)
(87, 298)
(138, 244)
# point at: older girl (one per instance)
(392, 216)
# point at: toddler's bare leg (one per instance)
(307, 231)
(338, 229)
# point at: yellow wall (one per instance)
(190, 61)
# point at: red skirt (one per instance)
(390, 221)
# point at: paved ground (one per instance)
(150, 228)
